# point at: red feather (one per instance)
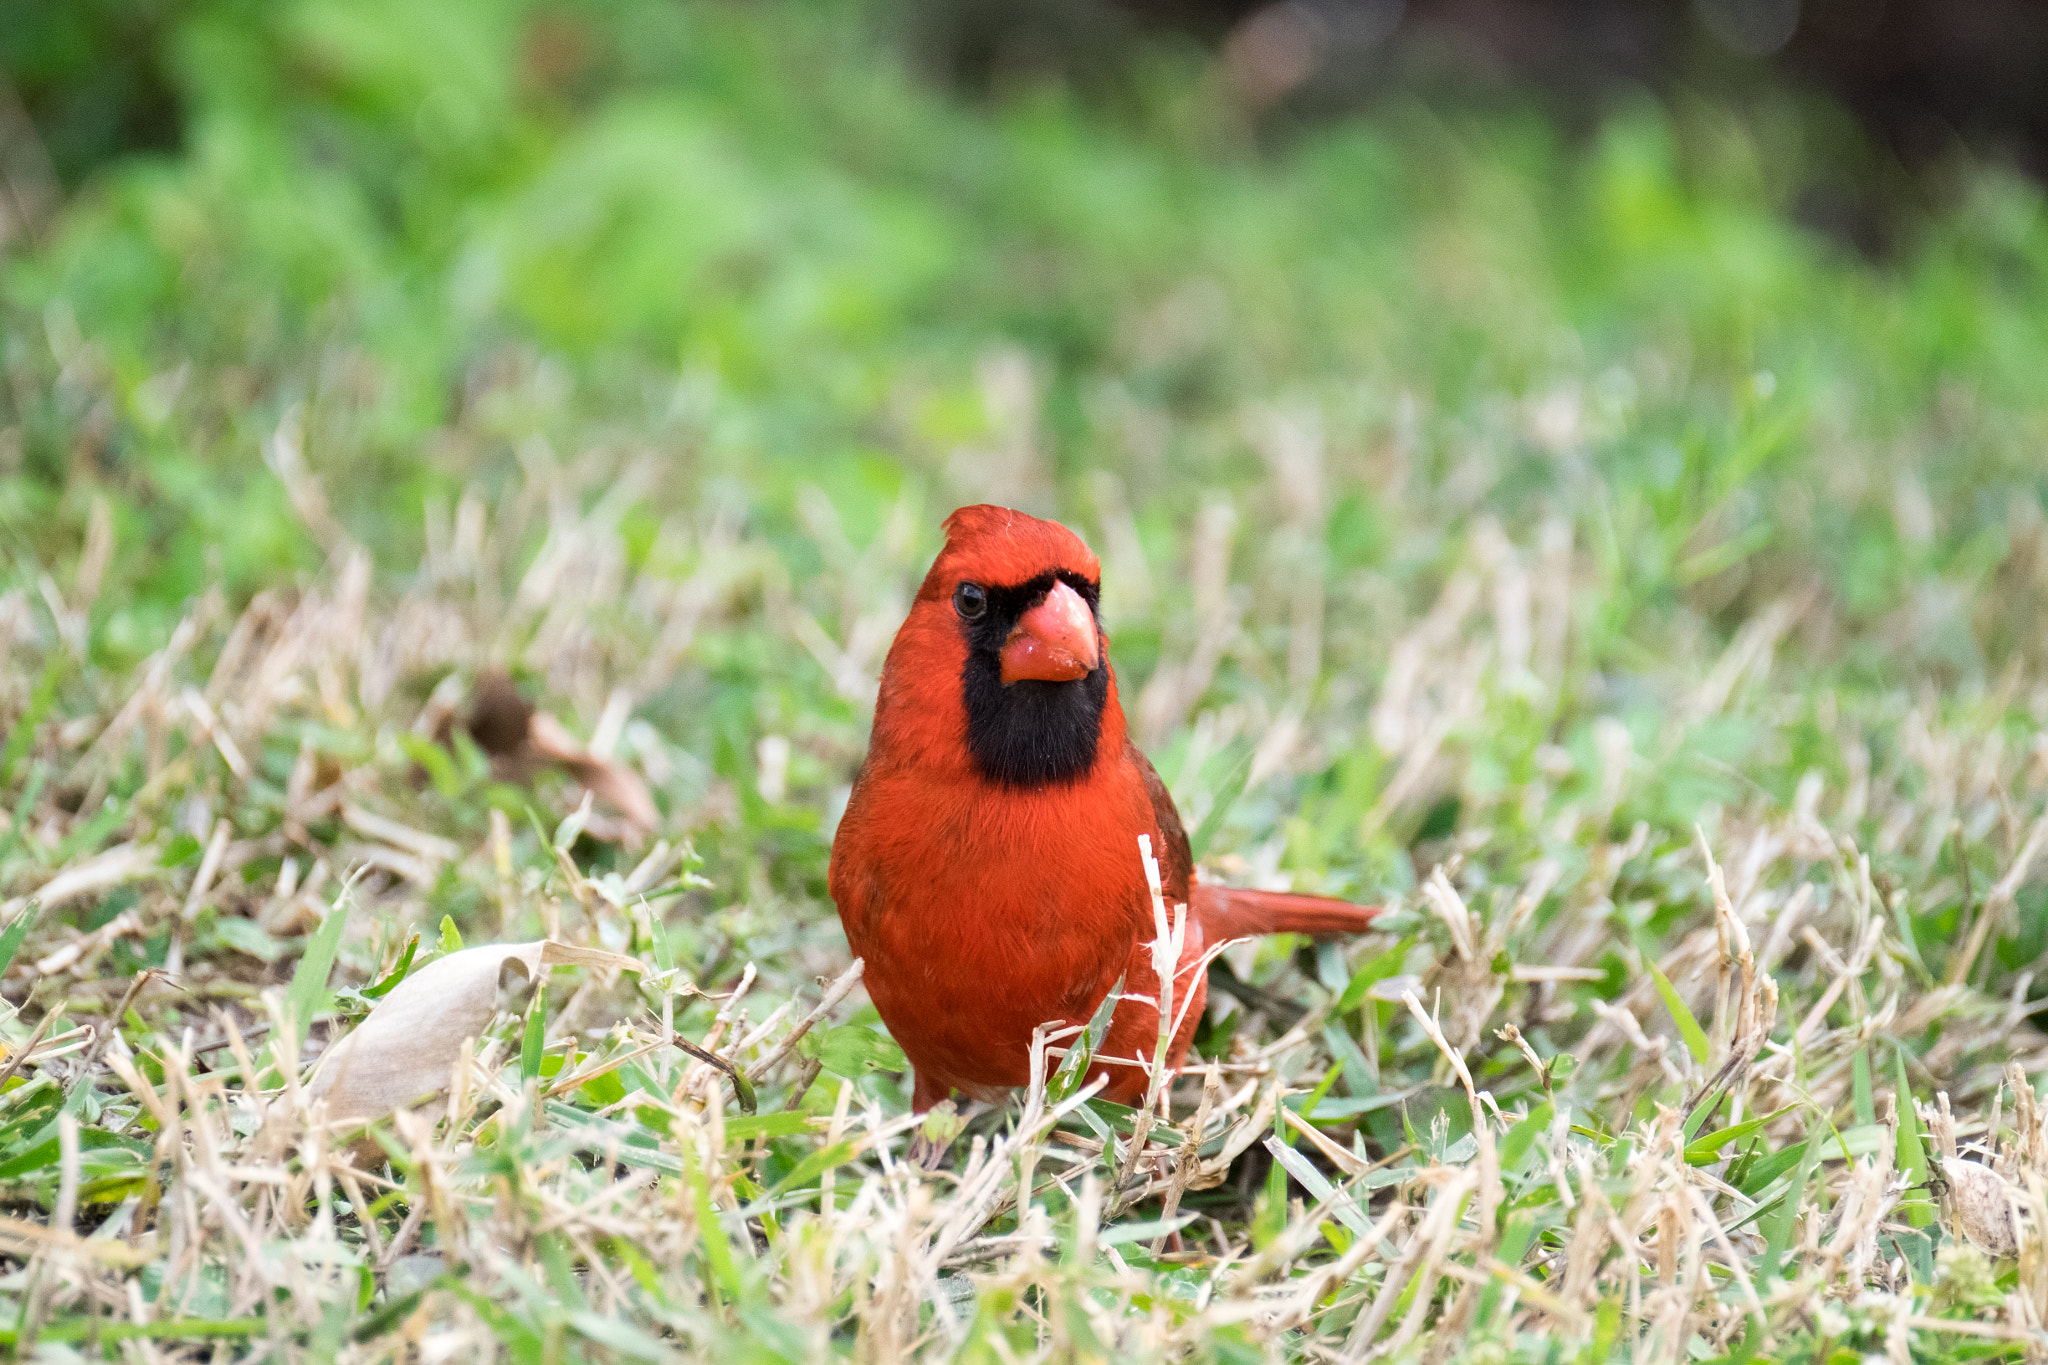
(984, 908)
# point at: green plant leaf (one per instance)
(664, 952)
(436, 762)
(1370, 973)
(852, 1050)
(1767, 1169)
(382, 986)
(247, 936)
(1523, 1135)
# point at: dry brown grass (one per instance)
(1555, 1171)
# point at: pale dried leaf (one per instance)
(1983, 1206)
(405, 1050)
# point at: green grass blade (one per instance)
(1066, 1079)
(1226, 797)
(1778, 1229)
(1606, 1327)
(532, 1044)
(710, 1232)
(24, 809)
(1123, 1234)
(307, 994)
(814, 1165)
(1688, 1027)
(657, 933)
(1371, 973)
(177, 1329)
(1912, 1158)
(11, 939)
(1767, 1169)
(391, 1314)
(1521, 1230)
(620, 1338)
(1705, 1147)
(39, 703)
(1903, 918)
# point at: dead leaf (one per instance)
(405, 1051)
(610, 781)
(1983, 1206)
(520, 739)
(498, 715)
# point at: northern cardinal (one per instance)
(987, 867)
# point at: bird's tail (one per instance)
(1231, 912)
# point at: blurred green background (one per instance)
(710, 260)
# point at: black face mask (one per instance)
(1031, 733)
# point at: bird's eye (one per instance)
(970, 601)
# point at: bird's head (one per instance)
(1004, 644)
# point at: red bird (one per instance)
(987, 867)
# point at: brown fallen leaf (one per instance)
(608, 780)
(497, 720)
(405, 1050)
(521, 739)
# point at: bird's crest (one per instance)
(999, 545)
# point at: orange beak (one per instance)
(1054, 642)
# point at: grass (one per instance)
(1551, 540)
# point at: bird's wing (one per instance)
(1176, 859)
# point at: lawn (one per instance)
(1544, 535)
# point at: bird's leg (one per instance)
(926, 1092)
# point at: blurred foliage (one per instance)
(754, 242)
(94, 78)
